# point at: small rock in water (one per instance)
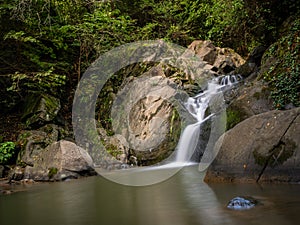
(241, 203)
(6, 192)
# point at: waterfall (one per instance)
(198, 106)
(229, 79)
(189, 138)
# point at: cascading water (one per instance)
(197, 106)
(229, 79)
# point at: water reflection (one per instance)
(182, 200)
(201, 199)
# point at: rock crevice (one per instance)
(273, 151)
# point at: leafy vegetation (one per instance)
(283, 74)
(52, 172)
(41, 82)
(46, 45)
(6, 151)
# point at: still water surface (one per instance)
(184, 199)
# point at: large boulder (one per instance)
(60, 161)
(144, 115)
(224, 60)
(32, 142)
(116, 145)
(263, 148)
(247, 100)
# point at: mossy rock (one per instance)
(52, 171)
(33, 141)
(233, 118)
(40, 109)
(276, 156)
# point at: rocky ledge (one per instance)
(262, 148)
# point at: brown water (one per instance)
(184, 199)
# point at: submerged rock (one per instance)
(6, 192)
(241, 203)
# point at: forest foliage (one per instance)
(46, 45)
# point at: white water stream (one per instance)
(197, 106)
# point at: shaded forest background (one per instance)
(46, 45)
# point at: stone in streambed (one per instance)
(241, 203)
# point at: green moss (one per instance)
(39, 108)
(283, 73)
(22, 142)
(52, 104)
(52, 171)
(113, 150)
(283, 152)
(259, 158)
(25, 135)
(174, 121)
(233, 118)
(277, 156)
(175, 130)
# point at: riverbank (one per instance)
(8, 188)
